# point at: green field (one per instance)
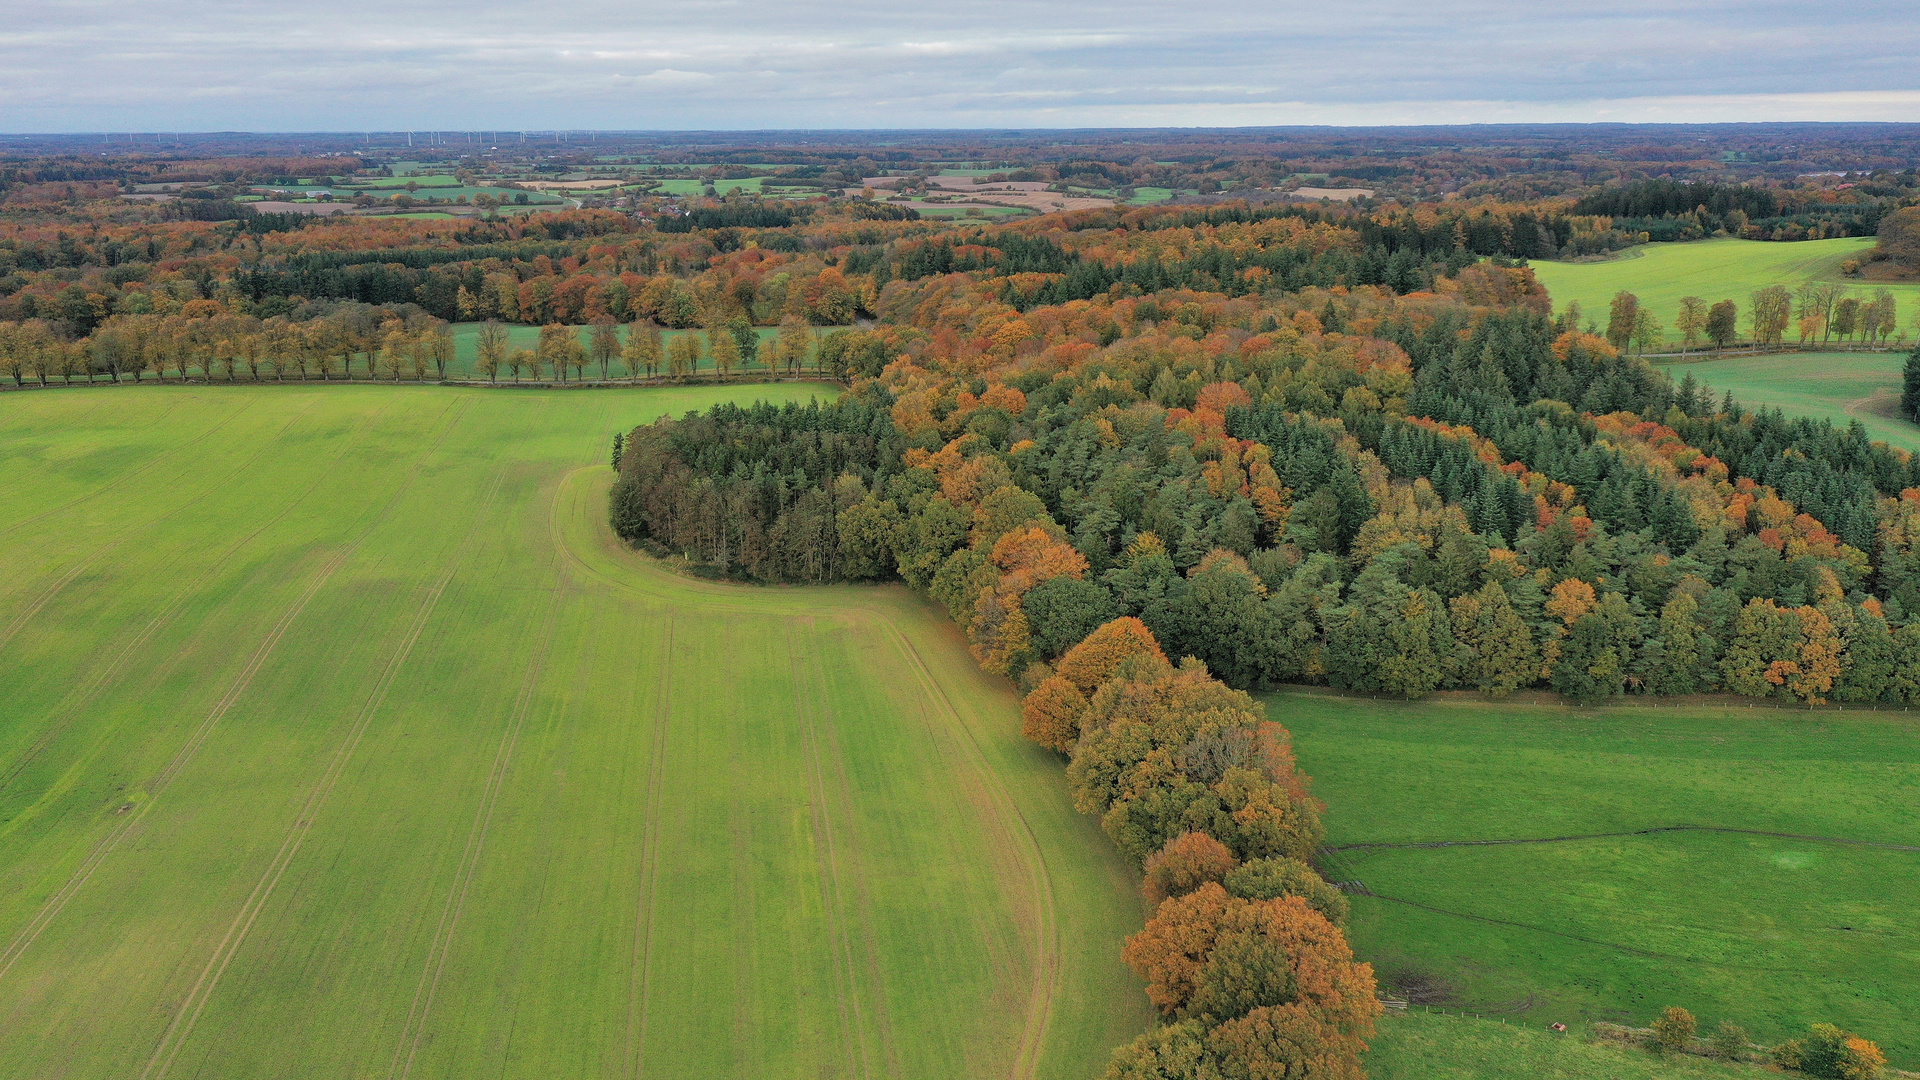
(1714, 270)
(1840, 386)
(748, 186)
(1770, 932)
(339, 737)
(466, 347)
(1431, 1046)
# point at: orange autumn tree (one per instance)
(1275, 981)
(1187, 862)
(1051, 712)
(1093, 661)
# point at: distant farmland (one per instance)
(338, 730)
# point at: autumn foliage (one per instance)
(1187, 862)
(1273, 980)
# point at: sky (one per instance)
(276, 65)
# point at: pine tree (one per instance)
(1680, 670)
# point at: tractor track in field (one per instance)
(27, 613)
(158, 785)
(846, 991)
(862, 903)
(434, 968)
(191, 748)
(640, 972)
(188, 1016)
(1047, 959)
(79, 698)
(1656, 830)
(131, 474)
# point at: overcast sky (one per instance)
(267, 65)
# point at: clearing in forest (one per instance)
(338, 730)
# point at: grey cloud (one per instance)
(277, 65)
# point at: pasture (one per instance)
(466, 347)
(1431, 1046)
(337, 729)
(1837, 386)
(1714, 270)
(1604, 921)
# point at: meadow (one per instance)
(1418, 1045)
(338, 730)
(1714, 270)
(1608, 922)
(1838, 386)
(466, 347)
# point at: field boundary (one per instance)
(1370, 846)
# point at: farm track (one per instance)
(96, 683)
(216, 967)
(434, 968)
(640, 981)
(846, 987)
(185, 755)
(1046, 960)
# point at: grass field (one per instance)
(674, 186)
(1714, 270)
(339, 737)
(1771, 932)
(466, 346)
(1840, 386)
(1423, 1046)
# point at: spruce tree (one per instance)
(1910, 387)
